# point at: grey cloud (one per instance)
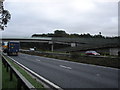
(29, 18)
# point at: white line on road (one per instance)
(42, 78)
(98, 75)
(79, 63)
(37, 59)
(65, 67)
(91, 65)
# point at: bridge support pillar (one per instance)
(52, 47)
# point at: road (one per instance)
(70, 74)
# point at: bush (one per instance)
(75, 55)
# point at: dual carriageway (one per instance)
(67, 74)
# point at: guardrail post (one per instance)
(6, 67)
(19, 84)
(26, 88)
(3, 61)
(22, 82)
(11, 77)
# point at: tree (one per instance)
(5, 16)
(74, 35)
(60, 33)
(99, 35)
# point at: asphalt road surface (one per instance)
(70, 74)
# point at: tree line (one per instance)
(61, 33)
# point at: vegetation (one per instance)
(77, 57)
(5, 16)
(6, 83)
(61, 33)
(32, 80)
(0, 72)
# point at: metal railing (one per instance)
(44, 81)
(22, 82)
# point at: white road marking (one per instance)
(65, 67)
(91, 65)
(79, 63)
(37, 59)
(41, 77)
(25, 56)
(98, 75)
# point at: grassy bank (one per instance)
(107, 62)
(32, 80)
(6, 83)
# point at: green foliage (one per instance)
(6, 83)
(5, 16)
(32, 80)
(61, 33)
(75, 55)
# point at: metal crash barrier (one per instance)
(22, 82)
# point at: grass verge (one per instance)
(32, 80)
(0, 73)
(6, 83)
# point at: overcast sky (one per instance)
(74, 16)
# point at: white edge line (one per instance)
(52, 84)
